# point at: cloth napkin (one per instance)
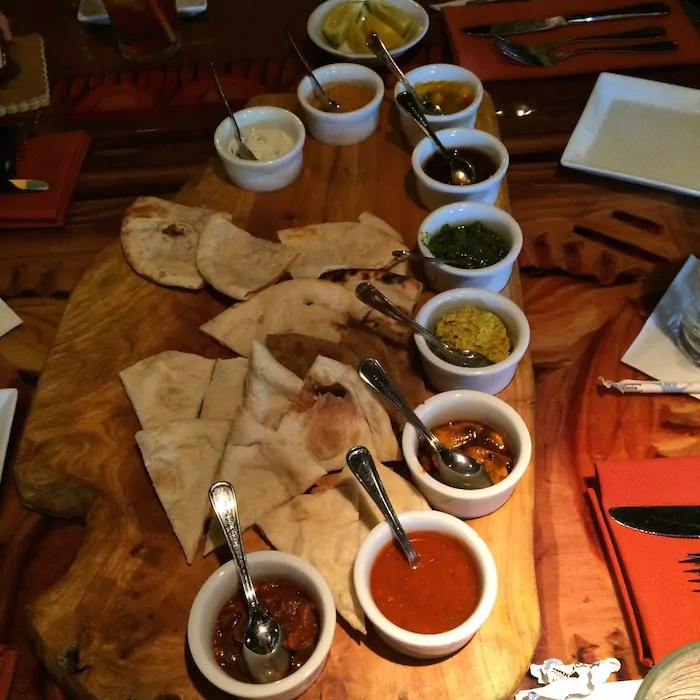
(8, 661)
(655, 350)
(57, 159)
(658, 598)
(480, 55)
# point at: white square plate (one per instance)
(93, 11)
(8, 403)
(641, 131)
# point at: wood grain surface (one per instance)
(114, 625)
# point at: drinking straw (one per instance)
(163, 20)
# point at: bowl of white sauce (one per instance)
(275, 136)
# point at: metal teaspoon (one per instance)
(263, 651)
(362, 466)
(455, 468)
(410, 255)
(462, 172)
(368, 294)
(242, 151)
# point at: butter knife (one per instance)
(20, 185)
(653, 9)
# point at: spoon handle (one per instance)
(409, 255)
(223, 500)
(409, 105)
(362, 466)
(378, 48)
(289, 40)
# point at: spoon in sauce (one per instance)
(455, 468)
(328, 104)
(264, 654)
(378, 48)
(368, 294)
(410, 255)
(363, 467)
(242, 151)
(462, 172)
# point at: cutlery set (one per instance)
(550, 55)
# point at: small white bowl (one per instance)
(469, 405)
(434, 194)
(267, 175)
(426, 646)
(464, 119)
(495, 277)
(314, 28)
(222, 585)
(492, 379)
(342, 128)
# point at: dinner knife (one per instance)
(671, 521)
(653, 9)
(20, 185)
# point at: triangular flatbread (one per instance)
(168, 386)
(236, 263)
(224, 395)
(182, 458)
(400, 268)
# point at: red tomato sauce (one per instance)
(438, 595)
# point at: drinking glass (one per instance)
(146, 30)
(689, 332)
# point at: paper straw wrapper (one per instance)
(632, 386)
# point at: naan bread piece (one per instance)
(313, 307)
(236, 263)
(168, 386)
(224, 395)
(400, 268)
(159, 239)
(182, 458)
(337, 246)
(404, 292)
(298, 352)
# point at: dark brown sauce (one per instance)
(438, 168)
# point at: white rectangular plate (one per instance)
(641, 131)
(93, 11)
(8, 403)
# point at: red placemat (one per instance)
(480, 55)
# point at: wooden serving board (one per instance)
(114, 627)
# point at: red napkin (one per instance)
(480, 55)
(56, 159)
(662, 609)
(8, 660)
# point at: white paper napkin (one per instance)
(655, 350)
(8, 319)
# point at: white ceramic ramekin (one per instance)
(480, 407)
(495, 277)
(491, 379)
(434, 194)
(222, 585)
(464, 119)
(426, 646)
(268, 175)
(341, 128)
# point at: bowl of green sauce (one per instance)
(483, 241)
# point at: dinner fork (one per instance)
(694, 559)
(549, 60)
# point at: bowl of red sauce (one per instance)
(434, 609)
(294, 593)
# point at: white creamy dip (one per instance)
(266, 142)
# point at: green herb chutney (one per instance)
(470, 246)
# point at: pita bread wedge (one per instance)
(168, 386)
(298, 352)
(159, 239)
(400, 268)
(236, 263)
(312, 307)
(225, 393)
(337, 246)
(182, 459)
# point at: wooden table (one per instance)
(583, 314)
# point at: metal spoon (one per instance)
(462, 172)
(454, 468)
(265, 656)
(242, 151)
(377, 47)
(367, 293)
(288, 41)
(362, 466)
(410, 255)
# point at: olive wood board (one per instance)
(115, 625)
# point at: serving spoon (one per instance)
(410, 255)
(288, 41)
(242, 151)
(379, 49)
(265, 655)
(362, 466)
(368, 294)
(455, 469)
